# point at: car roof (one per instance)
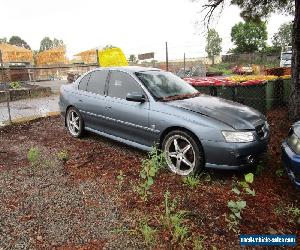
(132, 69)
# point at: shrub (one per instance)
(279, 172)
(150, 168)
(174, 221)
(295, 213)
(121, 177)
(63, 156)
(236, 207)
(148, 233)
(191, 182)
(198, 243)
(34, 156)
(15, 85)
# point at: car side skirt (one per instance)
(130, 143)
(225, 167)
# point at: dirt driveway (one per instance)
(78, 201)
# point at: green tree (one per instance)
(213, 44)
(57, 43)
(3, 40)
(47, 43)
(18, 41)
(283, 37)
(257, 9)
(109, 46)
(133, 59)
(249, 37)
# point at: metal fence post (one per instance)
(167, 57)
(6, 89)
(98, 59)
(184, 63)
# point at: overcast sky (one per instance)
(136, 26)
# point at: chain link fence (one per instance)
(31, 92)
(263, 96)
(24, 85)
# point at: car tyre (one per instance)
(184, 154)
(74, 122)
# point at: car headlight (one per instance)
(294, 143)
(240, 136)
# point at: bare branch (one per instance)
(210, 9)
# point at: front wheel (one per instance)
(183, 154)
(74, 122)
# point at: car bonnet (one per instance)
(236, 115)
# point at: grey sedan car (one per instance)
(143, 107)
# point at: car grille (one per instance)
(262, 131)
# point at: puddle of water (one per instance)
(24, 107)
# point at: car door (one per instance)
(81, 96)
(128, 119)
(93, 101)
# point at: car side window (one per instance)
(120, 84)
(97, 82)
(83, 83)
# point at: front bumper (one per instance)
(224, 155)
(291, 162)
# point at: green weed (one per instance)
(34, 156)
(191, 182)
(63, 156)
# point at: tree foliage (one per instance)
(47, 43)
(3, 40)
(213, 45)
(250, 9)
(254, 10)
(249, 36)
(283, 37)
(18, 41)
(109, 46)
(57, 43)
(133, 59)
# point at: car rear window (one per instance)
(83, 83)
(97, 81)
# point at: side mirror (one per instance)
(135, 97)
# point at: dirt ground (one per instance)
(80, 203)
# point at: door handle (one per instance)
(108, 107)
(80, 100)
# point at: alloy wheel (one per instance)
(73, 122)
(180, 155)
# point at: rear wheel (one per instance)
(74, 122)
(184, 155)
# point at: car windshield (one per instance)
(165, 85)
(286, 56)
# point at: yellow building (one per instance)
(13, 54)
(52, 56)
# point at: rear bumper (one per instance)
(232, 156)
(291, 162)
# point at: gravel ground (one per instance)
(78, 203)
(43, 207)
